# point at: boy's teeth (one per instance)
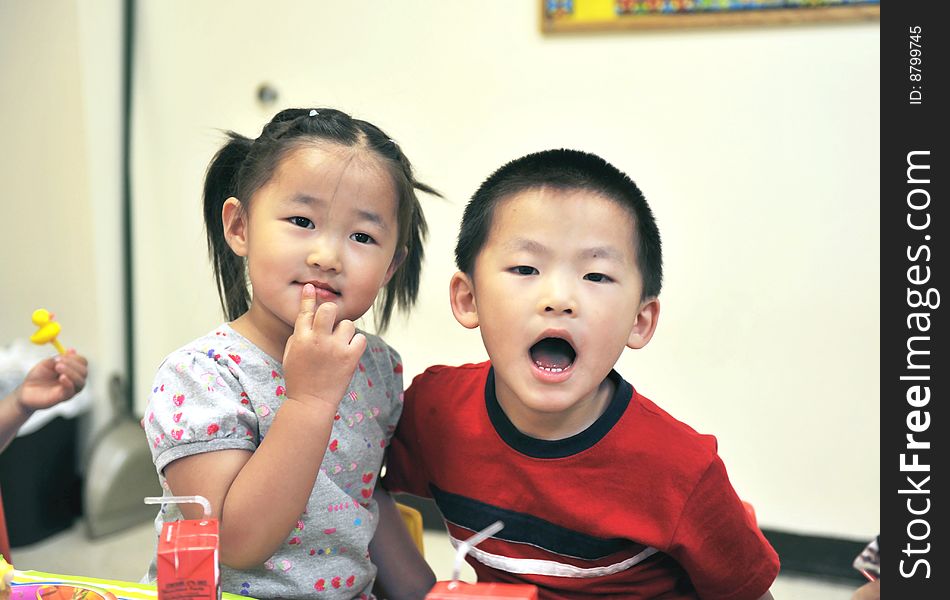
(553, 355)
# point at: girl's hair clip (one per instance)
(313, 112)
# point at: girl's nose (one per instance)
(325, 255)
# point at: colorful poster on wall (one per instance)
(600, 15)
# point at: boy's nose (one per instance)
(559, 299)
(325, 256)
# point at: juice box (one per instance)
(459, 590)
(187, 559)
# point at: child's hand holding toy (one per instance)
(54, 379)
(49, 382)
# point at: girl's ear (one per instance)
(398, 259)
(462, 298)
(645, 325)
(234, 218)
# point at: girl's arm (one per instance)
(402, 573)
(258, 496)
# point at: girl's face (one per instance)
(327, 216)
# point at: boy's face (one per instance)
(556, 293)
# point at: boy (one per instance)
(601, 492)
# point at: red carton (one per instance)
(459, 590)
(188, 560)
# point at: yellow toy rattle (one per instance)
(48, 329)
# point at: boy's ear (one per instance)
(398, 259)
(645, 324)
(462, 298)
(234, 218)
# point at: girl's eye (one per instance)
(302, 222)
(362, 238)
(524, 270)
(597, 278)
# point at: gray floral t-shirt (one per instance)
(222, 392)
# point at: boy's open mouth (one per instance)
(553, 354)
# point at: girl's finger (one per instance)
(345, 329)
(324, 318)
(358, 343)
(308, 304)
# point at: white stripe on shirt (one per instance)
(534, 566)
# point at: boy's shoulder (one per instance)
(460, 381)
(443, 374)
(655, 423)
(462, 370)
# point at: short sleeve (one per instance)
(405, 465)
(197, 405)
(395, 390)
(719, 544)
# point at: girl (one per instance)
(280, 417)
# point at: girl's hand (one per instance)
(319, 359)
(52, 381)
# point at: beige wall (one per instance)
(758, 149)
(59, 215)
(45, 221)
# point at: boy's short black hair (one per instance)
(567, 170)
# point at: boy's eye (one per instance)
(524, 270)
(362, 238)
(302, 222)
(597, 277)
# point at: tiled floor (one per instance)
(126, 555)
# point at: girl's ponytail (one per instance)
(220, 184)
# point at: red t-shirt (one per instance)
(638, 505)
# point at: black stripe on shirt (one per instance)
(527, 529)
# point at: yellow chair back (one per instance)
(413, 520)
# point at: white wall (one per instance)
(758, 149)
